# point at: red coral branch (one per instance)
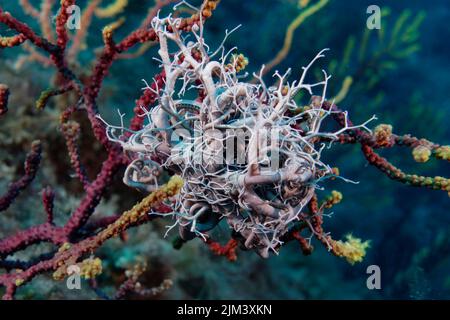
(304, 243)
(29, 8)
(69, 254)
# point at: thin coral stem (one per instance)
(370, 141)
(32, 162)
(71, 132)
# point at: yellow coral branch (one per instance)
(12, 41)
(443, 153)
(80, 37)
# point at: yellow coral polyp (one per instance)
(142, 208)
(353, 249)
(421, 154)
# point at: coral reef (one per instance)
(87, 91)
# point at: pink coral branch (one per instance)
(45, 19)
